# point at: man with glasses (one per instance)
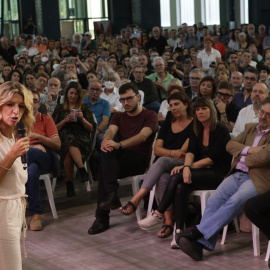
(243, 99)
(248, 177)
(128, 155)
(227, 112)
(250, 114)
(146, 85)
(43, 138)
(99, 107)
(195, 77)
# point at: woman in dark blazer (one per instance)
(206, 164)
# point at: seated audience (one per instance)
(227, 111)
(147, 86)
(250, 114)
(160, 78)
(74, 122)
(206, 164)
(243, 183)
(170, 149)
(129, 155)
(43, 139)
(242, 99)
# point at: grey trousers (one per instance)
(159, 174)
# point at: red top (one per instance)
(44, 125)
(220, 47)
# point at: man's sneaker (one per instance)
(151, 221)
(174, 245)
(35, 223)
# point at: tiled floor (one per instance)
(65, 244)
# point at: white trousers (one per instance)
(11, 219)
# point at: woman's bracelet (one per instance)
(186, 166)
(5, 168)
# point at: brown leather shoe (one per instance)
(35, 223)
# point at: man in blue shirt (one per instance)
(100, 108)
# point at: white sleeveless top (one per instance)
(13, 185)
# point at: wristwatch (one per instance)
(120, 145)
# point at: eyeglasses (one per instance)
(95, 89)
(195, 78)
(138, 72)
(250, 79)
(128, 99)
(225, 96)
(267, 114)
(36, 101)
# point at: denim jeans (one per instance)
(224, 205)
(38, 163)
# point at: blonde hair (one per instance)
(7, 90)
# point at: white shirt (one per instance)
(172, 42)
(113, 99)
(164, 107)
(32, 51)
(245, 116)
(208, 59)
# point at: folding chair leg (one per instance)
(48, 186)
(256, 240)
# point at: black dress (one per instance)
(73, 133)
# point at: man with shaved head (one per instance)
(7, 51)
(250, 113)
(157, 41)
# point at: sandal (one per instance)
(167, 230)
(124, 208)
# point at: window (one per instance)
(185, 12)
(210, 12)
(82, 14)
(165, 13)
(244, 12)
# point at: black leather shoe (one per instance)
(187, 234)
(192, 248)
(112, 202)
(70, 189)
(99, 226)
(84, 175)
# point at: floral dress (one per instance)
(73, 133)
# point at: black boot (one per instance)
(112, 202)
(70, 189)
(84, 175)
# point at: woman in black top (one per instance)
(206, 164)
(170, 147)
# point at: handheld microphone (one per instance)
(21, 131)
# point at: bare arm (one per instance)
(199, 65)
(109, 144)
(53, 143)
(17, 150)
(103, 124)
(159, 150)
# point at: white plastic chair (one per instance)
(142, 97)
(268, 252)
(47, 181)
(255, 238)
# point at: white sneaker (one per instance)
(151, 221)
(174, 245)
